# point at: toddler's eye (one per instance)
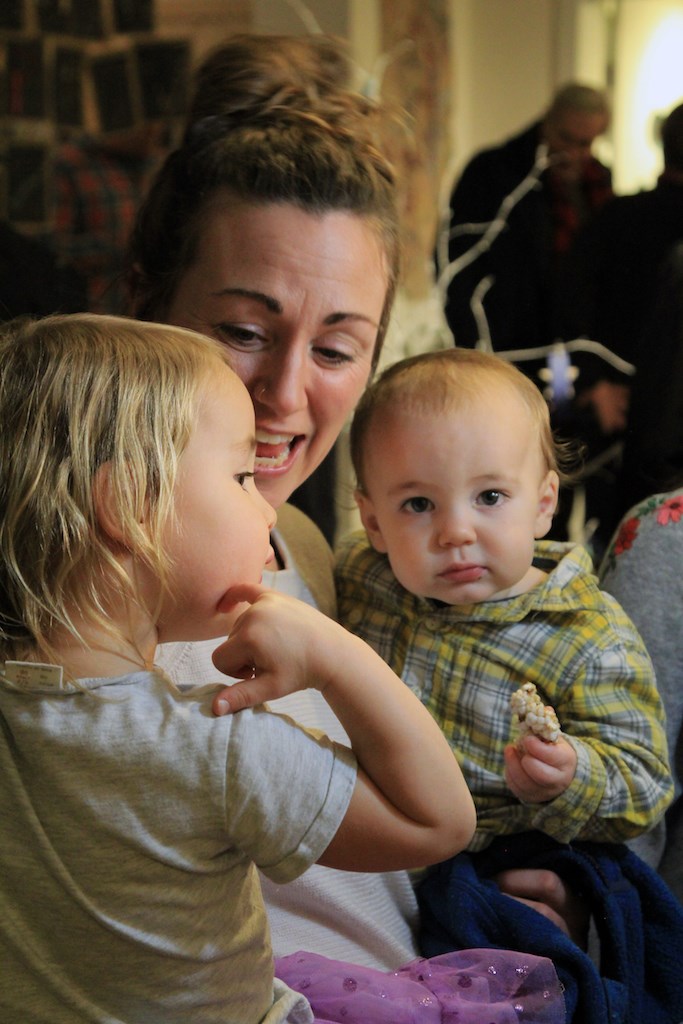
(490, 498)
(241, 478)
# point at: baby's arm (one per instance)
(411, 806)
(537, 770)
(612, 717)
(541, 765)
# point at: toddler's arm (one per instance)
(411, 806)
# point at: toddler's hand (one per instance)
(278, 645)
(537, 771)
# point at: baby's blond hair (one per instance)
(79, 392)
(439, 382)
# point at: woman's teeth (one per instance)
(272, 450)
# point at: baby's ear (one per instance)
(369, 520)
(548, 495)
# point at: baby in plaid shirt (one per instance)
(457, 481)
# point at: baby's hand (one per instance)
(278, 645)
(537, 771)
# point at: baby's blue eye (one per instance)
(418, 504)
(490, 497)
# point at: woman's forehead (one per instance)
(278, 248)
(230, 218)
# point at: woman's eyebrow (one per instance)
(274, 306)
(337, 318)
(271, 304)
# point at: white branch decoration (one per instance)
(499, 222)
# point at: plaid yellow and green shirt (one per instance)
(569, 638)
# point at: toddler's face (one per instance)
(456, 499)
(221, 533)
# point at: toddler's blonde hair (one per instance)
(77, 393)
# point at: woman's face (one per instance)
(296, 299)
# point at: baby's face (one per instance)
(457, 499)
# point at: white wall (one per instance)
(502, 66)
(291, 17)
(649, 82)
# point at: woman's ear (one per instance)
(107, 513)
(548, 495)
(369, 521)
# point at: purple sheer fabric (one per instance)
(474, 986)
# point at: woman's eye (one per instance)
(418, 505)
(333, 356)
(238, 335)
(490, 498)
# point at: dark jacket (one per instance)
(615, 270)
(653, 446)
(520, 305)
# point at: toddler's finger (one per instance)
(242, 695)
(220, 705)
(243, 592)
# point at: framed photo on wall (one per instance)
(164, 69)
(25, 83)
(12, 14)
(112, 81)
(25, 172)
(133, 15)
(67, 86)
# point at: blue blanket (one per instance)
(638, 920)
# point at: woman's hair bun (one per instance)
(251, 71)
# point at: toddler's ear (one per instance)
(106, 508)
(369, 520)
(548, 495)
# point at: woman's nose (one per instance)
(282, 384)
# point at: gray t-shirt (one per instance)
(132, 821)
(368, 918)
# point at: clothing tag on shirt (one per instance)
(34, 674)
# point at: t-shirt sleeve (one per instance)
(287, 791)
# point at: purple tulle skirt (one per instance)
(474, 986)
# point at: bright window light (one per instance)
(649, 83)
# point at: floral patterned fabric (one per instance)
(643, 570)
(661, 508)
